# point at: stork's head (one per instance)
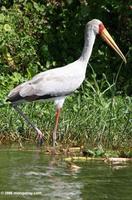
(100, 29)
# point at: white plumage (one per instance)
(52, 83)
(56, 84)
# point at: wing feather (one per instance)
(52, 83)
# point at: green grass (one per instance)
(92, 117)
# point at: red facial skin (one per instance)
(101, 28)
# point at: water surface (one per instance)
(33, 175)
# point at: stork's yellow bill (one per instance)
(109, 40)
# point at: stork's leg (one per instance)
(57, 115)
(39, 133)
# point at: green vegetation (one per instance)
(39, 35)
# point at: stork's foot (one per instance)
(54, 148)
(40, 138)
(54, 139)
(55, 144)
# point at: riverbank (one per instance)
(87, 118)
(72, 153)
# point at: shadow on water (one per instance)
(33, 175)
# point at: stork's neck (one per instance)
(88, 45)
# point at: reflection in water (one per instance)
(48, 178)
(55, 182)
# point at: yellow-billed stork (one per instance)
(57, 84)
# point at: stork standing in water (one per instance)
(57, 84)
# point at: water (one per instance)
(33, 175)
